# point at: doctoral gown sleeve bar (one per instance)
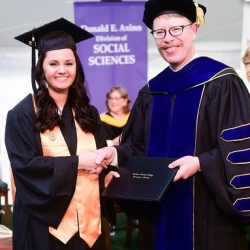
(226, 104)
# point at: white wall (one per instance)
(245, 31)
(14, 85)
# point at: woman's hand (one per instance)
(87, 161)
(188, 166)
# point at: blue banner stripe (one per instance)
(242, 205)
(239, 157)
(237, 133)
(241, 181)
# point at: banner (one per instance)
(117, 55)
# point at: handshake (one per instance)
(94, 162)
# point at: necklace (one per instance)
(52, 136)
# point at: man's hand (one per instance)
(189, 165)
(94, 161)
(109, 177)
(87, 160)
(105, 156)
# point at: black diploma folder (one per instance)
(143, 179)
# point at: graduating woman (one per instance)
(50, 138)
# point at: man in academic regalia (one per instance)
(198, 111)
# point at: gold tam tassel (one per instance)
(199, 14)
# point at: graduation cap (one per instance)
(193, 11)
(59, 34)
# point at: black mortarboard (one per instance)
(59, 34)
(193, 11)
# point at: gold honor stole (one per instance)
(83, 213)
(113, 121)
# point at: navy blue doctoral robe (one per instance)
(202, 110)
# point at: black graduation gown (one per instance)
(44, 185)
(111, 131)
(225, 104)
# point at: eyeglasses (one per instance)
(173, 31)
(114, 98)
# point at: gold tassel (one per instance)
(199, 14)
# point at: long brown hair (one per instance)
(47, 116)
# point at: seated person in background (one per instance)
(246, 61)
(116, 116)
